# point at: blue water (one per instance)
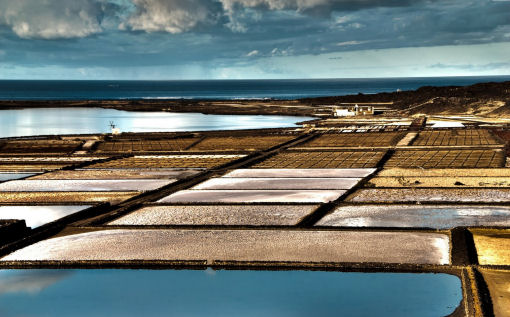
(225, 293)
(42, 121)
(220, 89)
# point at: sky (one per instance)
(252, 39)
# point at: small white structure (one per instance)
(356, 110)
(115, 130)
(343, 112)
(446, 124)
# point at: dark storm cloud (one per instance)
(316, 6)
(54, 19)
(182, 15)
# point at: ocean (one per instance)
(220, 89)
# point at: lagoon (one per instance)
(54, 121)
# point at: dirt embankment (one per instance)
(251, 107)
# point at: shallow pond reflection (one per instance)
(25, 122)
(225, 293)
(9, 176)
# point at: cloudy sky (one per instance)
(216, 39)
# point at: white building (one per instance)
(338, 112)
(356, 110)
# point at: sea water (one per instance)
(220, 89)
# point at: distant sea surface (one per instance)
(219, 89)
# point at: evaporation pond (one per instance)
(83, 185)
(9, 176)
(411, 216)
(251, 196)
(225, 293)
(36, 216)
(278, 183)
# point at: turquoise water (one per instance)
(225, 293)
(25, 122)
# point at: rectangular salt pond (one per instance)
(9, 176)
(268, 246)
(498, 282)
(413, 216)
(302, 172)
(445, 172)
(55, 293)
(278, 183)
(438, 182)
(36, 216)
(217, 215)
(64, 197)
(120, 174)
(78, 185)
(488, 195)
(492, 246)
(252, 196)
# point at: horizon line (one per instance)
(257, 79)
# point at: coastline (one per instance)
(483, 99)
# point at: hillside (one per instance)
(487, 99)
